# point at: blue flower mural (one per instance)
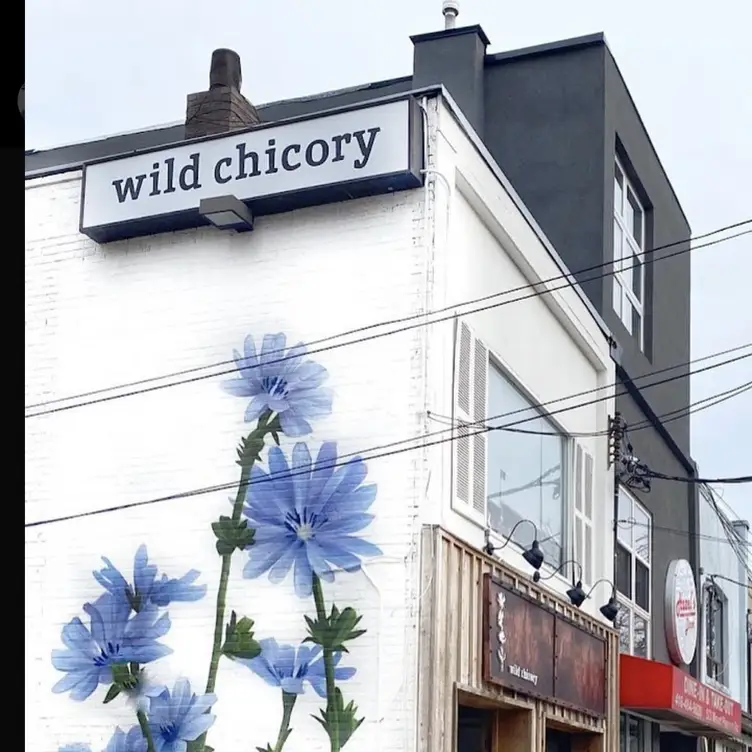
(75, 748)
(282, 382)
(288, 668)
(146, 588)
(133, 741)
(298, 516)
(305, 516)
(179, 717)
(113, 638)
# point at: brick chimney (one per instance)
(222, 108)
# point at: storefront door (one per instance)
(558, 741)
(474, 729)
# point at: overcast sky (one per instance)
(96, 68)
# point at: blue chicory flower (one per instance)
(133, 741)
(305, 515)
(146, 588)
(282, 382)
(179, 717)
(112, 638)
(287, 668)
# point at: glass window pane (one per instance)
(618, 294)
(618, 191)
(624, 571)
(642, 585)
(635, 226)
(623, 625)
(625, 515)
(618, 245)
(627, 315)
(636, 322)
(628, 214)
(639, 636)
(637, 274)
(633, 734)
(641, 532)
(524, 471)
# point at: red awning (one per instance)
(669, 694)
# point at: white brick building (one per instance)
(125, 312)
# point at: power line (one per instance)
(713, 400)
(571, 276)
(729, 579)
(740, 480)
(631, 522)
(390, 452)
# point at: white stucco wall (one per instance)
(717, 557)
(103, 316)
(550, 345)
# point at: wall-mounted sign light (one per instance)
(226, 213)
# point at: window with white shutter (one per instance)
(470, 395)
(583, 514)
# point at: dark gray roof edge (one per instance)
(561, 45)
(456, 32)
(118, 145)
(485, 154)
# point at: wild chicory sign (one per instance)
(350, 153)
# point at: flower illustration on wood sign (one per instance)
(146, 588)
(283, 382)
(306, 516)
(113, 638)
(501, 636)
(288, 668)
(133, 741)
(179, 717)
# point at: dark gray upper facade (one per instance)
(555, 117)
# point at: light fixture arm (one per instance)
(489, 549)
(537, 576)
(598, 582)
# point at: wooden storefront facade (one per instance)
(458, 665)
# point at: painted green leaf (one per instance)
(250, 448)
(112, 693)
(342, 715)
(239, 639)
(232, 534)
(335, 630)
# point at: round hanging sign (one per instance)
(681, 612)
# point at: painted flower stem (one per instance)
(328, 657)
(224, 577)
(145, 730)
(288, 703)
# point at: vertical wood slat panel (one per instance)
(458, 645)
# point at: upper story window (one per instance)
(533, 471)
(629, 242)
(525, 470)
(633, 554)
(715, 643)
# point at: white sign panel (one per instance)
(365, 146)
(681, 612)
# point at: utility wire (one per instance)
(631, 522)
(729, 579)
(695, 407)
(388, 447)
(741, 480)
(571, 276)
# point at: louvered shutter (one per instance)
(583, 512)
(470, 396)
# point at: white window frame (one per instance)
(723, 681)
(628, 604)
(622, 275)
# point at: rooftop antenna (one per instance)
(450, 9)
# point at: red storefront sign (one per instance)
(667, 693)
(705, 704)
